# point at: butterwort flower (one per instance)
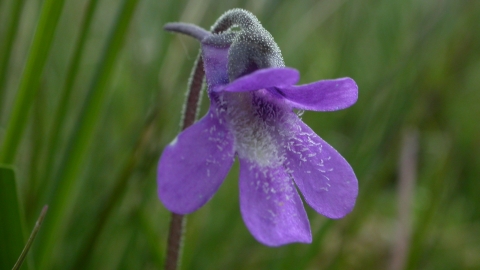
(251, 116)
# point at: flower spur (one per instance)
(252, 97)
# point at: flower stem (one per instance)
(190, 112)
(175, 240)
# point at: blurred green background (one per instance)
(91, 92)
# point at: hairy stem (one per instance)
(190, 111)
(175, 241)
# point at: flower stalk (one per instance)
(189, 115)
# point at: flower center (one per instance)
(255, 120)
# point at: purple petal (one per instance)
(326, 95)
(193, 166)
(271, 206)
(216, 65)
(262, 79)
(324, 177)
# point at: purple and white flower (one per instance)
(252, 116)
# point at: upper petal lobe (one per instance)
(194, 165)
(271, 206)
(324, 177)
(326, 95)
(262, 79)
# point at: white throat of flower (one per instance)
(255, 125)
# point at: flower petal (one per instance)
(271, 206)
(326, 95)
(324, 177)
(262, 79)
(194, 165)
(215, 61)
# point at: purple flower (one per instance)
(251, 116)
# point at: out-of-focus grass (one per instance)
(417, 64)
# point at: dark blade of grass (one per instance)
(11, 236)
(150, 232)
(35, 230)
(36, 138)
(121, 184)
(42, 41)
(85, 126)
(435, 172)
(6, 53)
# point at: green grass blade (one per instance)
(61, 111)
(30, 80)
(151, 234)
(11, 237)
(83, 133)
(35, 230)
(10, 37)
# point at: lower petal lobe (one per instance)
(271, 206)
(193, 166)
(324, 177)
